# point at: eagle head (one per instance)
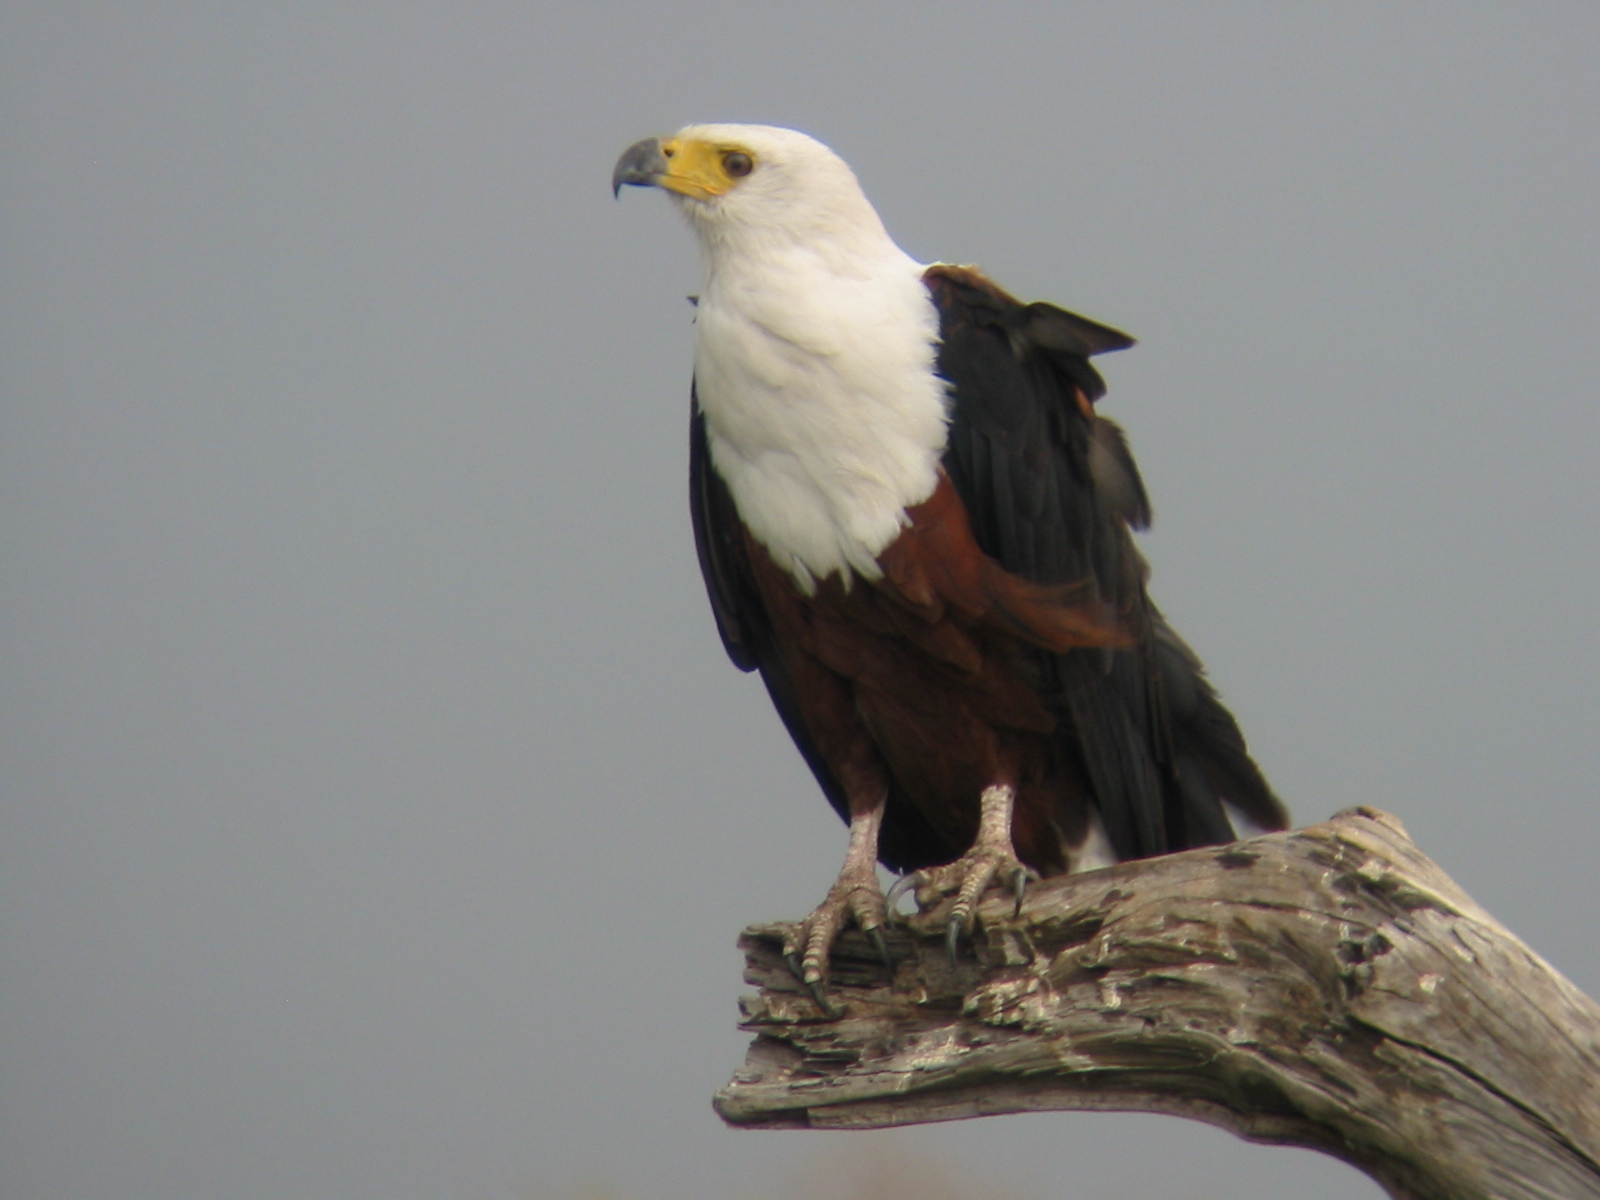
(730, 180)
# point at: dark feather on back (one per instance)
(1052, 491)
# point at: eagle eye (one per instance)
(737, 163)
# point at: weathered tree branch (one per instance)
(1329, 988)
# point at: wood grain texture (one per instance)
(1329, 988)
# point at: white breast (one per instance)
(824, 413)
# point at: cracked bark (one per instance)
(1329, 988)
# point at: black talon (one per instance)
(814, 987)
(826, 1005)
(897, 889)
(952, 938)
(875, 936)
(1019, 885)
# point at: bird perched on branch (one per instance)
(914, 524)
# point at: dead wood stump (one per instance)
(1329, 988)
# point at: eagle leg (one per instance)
(855, 895)
(992, 859)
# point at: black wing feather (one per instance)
(1052, 491)
(718, 540)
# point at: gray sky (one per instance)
(379, 808)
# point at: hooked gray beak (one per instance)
(641, 165)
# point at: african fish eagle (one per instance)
(914, 524)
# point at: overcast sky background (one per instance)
(379, 807)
